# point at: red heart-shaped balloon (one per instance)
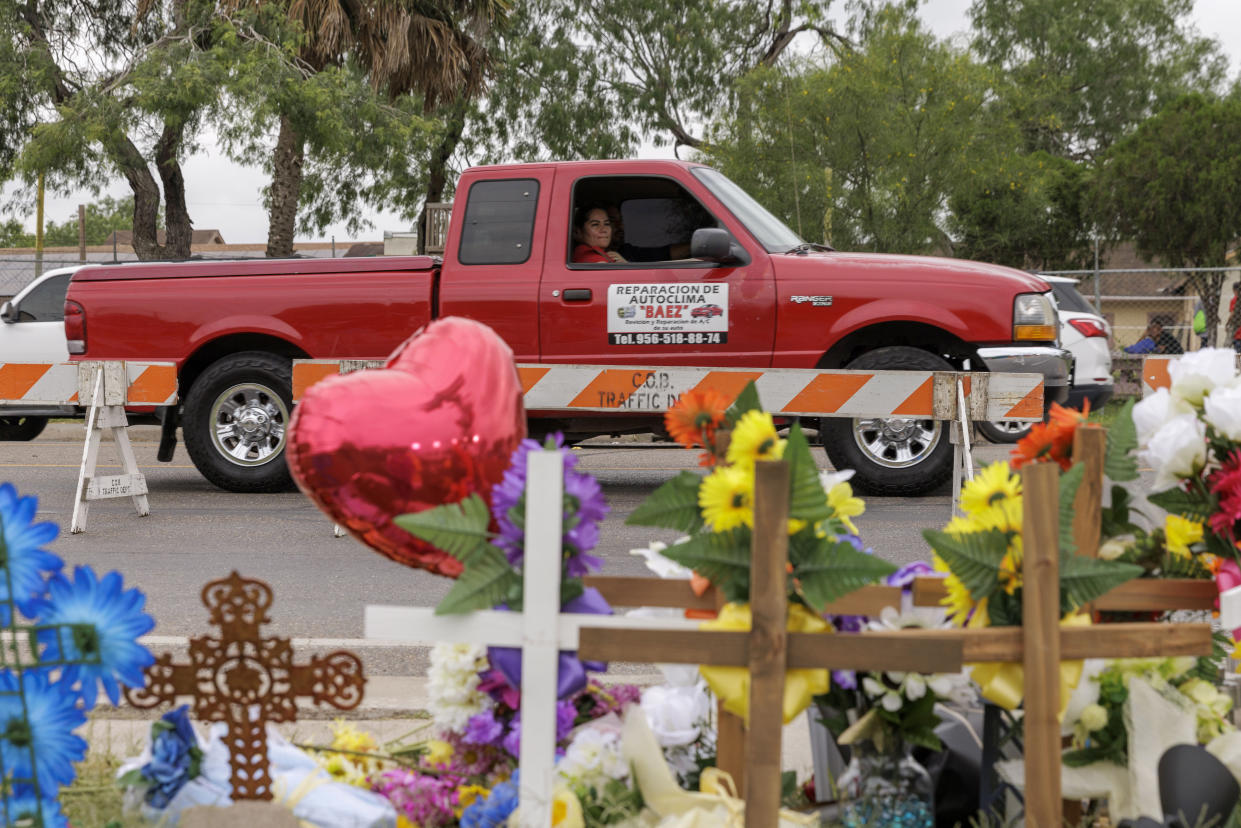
(438, 423)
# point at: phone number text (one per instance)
(689, 338)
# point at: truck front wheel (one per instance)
(236, 420)
(894, 455)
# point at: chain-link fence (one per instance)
(1160, 310)
(19, 269)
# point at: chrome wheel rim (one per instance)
(248, 424)
(1011, 427)
(897, 442)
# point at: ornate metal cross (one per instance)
(246, 680)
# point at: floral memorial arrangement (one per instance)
(74, 635)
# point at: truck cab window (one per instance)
(46, 303)
(499, 222)
(652, 219)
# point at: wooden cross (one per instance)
(768, 650)
(246, 680)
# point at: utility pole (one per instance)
(38, 232)
(82, 233)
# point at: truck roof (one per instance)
(290, 267)
(602, 165)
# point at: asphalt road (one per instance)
(196, 533)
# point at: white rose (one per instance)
(1151, 413)
(1222, 409)
(1094, 717)
(675, 713)
(1178, 450)
(1084, 694)
(1196, 374)
(1113, 548)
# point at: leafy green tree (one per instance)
(1172, 187)
(12, 234)
(428, 48)
(93, 92)
(1087, 73)
(866, 149)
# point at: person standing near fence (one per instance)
(1232, 309)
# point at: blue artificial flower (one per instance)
(23, 804)
(175, 758)
(46, 727)
(21, 553)
(494, 811)
(111, 620)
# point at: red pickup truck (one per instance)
(708, 278)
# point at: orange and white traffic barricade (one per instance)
(104, 389)
(961, 397)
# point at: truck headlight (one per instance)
(1034, 318)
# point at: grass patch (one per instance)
(1106, 415)
(94, 800)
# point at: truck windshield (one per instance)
(771, 233)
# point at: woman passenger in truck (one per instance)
(592, 233)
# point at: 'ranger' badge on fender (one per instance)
(817, 301)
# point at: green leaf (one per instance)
(486, 582)
(1070, 482)
(974, 557)
(673, 505)
(807, 500)
(1084, 579)
(1122, 438)
(830, 569)
(721, 557)
(747, 400)
(132, 779)
(570, 588)
(459, 529)
(1116, 520)
(1181, 502)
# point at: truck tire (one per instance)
(20, 429)
(895, 456)
(1003, 431)
(236, 419)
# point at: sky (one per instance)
(225, 196)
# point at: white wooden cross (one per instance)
(540, 630)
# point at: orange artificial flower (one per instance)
(692, 421)
(1043, 443)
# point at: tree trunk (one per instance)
(180, 230)
(146, 196)
(286, 188)
(437, 169)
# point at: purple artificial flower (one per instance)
(566, 715)
(571, 671)
(848, 623)
(844, 679)
(493, 683)
(904, 577)
(483, 729)
(512, 739)
(423, 800)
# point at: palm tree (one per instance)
(428, 47)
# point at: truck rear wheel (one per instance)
(236, 421)
(896, 455)
(20, 428)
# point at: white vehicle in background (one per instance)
(1088, 337)
(33, 330)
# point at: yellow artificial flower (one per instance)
(1010, 570)
(754, 438)
(347, 737)
(726, 498)
(1181, 533)
(990, 487)
(961, 525)
(845, 505)
(567, 810)
(1005, 515)
(438, 752)
(403, 821)
(958, 600)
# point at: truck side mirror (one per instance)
(712, 244)
(8, 313)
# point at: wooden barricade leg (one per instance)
(1040, 618)
(107, 411)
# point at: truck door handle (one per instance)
(577, 295)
